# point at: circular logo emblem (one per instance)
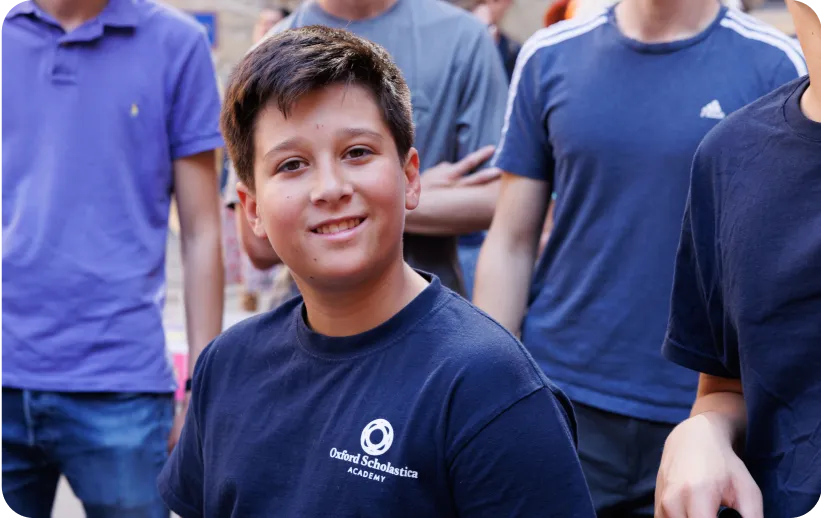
(382, 445)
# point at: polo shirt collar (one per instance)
(23, 8)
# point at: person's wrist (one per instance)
(718, 424)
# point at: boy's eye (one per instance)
(358, 152)
(291, 165)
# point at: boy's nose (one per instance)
(331, 185)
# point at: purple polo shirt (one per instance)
(92, 123)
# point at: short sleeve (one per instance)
(524, 148)
(194, 119)
(483, 96)
(522, 464)
(182, 479)
(696, 336)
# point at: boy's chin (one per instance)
(339, 274)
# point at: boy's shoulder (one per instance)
(486, 364)
(254, 335)
(478, 346)
(550, 43)
(755, 42)
(159, 16)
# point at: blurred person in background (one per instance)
(745, 309)
(110, 108)
(267, 19)
(491, 13)
(458, 89)
(255, 281)
(607, 113)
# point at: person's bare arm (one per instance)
(258, 249)
(505, 267)
(723, 397)
(701, 469)
(453, 211)
(454, 201)
(203, 276)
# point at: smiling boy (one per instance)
(378, 392)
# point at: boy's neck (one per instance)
(355, 9)
(353, 312)
(811, 100)
(70, 14)
(659, 21)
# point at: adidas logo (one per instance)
(712, 111)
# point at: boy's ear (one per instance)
(413, 187)
(248, 201)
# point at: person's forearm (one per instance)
(259, 250)
(503, 277)
(726, 410)
(204, 288)
(453, 211)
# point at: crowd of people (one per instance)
(576, 277)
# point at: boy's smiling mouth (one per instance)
(337, 226)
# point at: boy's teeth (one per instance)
(338, 227)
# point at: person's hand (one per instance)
(700, 472)
(446, 174)
(179, 420)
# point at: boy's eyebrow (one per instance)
(294, 142)
(356, 132)
(286, 144)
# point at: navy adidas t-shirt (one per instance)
(438, 412)
(613, 124)
(747, 293)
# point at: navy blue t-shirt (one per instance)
(613, 124)
(747, 293)
(438, 412)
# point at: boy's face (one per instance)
(330, 189)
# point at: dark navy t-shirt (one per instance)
(438, 412)
(747, 294)
(612, 124)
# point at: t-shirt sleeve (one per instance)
(194, 119)
(482, 100)
(524, 148)
(696, 336)
(181, 481)
(523, 463)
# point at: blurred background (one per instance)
(231, 22)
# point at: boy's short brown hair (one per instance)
(295, 62)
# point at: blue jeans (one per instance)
(110, 447)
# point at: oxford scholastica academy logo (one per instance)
(376, 440)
